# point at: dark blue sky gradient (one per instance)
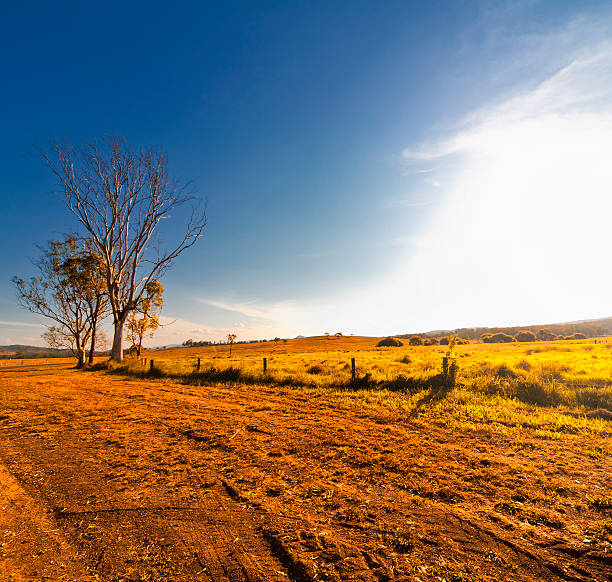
(289, 117)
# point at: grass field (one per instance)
(301, 473)
(572, 374)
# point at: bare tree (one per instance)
(120, 196)
(68, 291)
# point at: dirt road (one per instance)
(29, 368)
(103, 478)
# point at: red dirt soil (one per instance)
(103, 478)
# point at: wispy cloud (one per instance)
(583, 85)
(247, 308)
(411, 203)
(21, 324)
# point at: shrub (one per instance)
(496, 338)
(444, 341)
(415, 340)
(315, 370)
(526, 336)
(389, 342)
(576, 336)
(462, 342)
(545, 335)
(431, 341)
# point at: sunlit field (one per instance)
(576, 375)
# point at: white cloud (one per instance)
(21, 324)
(246, 308)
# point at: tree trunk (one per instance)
(94, 325)
(117, 352)
(93, 345)
(80, 359)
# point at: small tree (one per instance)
(230, 340)
(85, 269)
(389, 342)
(144, 321)
(68, 290)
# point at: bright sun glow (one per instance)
(523, 235)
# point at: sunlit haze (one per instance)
(474, 190)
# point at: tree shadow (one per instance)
(439, 388)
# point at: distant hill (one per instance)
(589, 327)
(21, 351)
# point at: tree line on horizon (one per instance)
(548, 332)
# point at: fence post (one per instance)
(152, 364)
(265, 364)
(353, 368)
(198, 366)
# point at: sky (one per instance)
(369, 168)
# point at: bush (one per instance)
(576, 336)
(389, 342)
(545, 335)
(431, 341)
(496, 338)
(415, 340)
(444, 341)
(526, 336)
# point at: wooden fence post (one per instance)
(265, 364)
(198, 366)
(353, 368)
(152, 364)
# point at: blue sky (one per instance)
(369, 167)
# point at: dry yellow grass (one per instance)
(572, 374)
